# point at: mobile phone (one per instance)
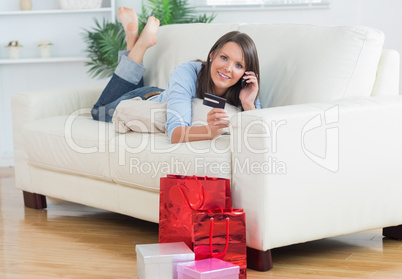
(243, 82)
(214, 101)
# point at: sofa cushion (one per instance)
(307, 63)
(298, 63)
(80, 145)
(74, 144)
(140, 159)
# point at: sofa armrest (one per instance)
(33, 105)
(387, 78)
(305, 167)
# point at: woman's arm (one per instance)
(217, 119)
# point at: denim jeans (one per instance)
(126, 83)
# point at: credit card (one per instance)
(214, 101)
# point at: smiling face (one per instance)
(227, 67)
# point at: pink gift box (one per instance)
(208, 269)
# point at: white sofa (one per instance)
(321, 159)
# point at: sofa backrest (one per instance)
(298, 63)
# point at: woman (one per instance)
(232, 58)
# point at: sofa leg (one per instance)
(35, 201)
(259, 260)
(393, 232)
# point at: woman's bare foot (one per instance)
(148, 35)
(146, 40)
(131, 35)
(129, 20)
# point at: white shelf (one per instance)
(55, 11)
(43, 60)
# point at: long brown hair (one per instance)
(204, 80)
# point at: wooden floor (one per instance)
(74, 241)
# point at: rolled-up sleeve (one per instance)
(179, 93)
(257, 103)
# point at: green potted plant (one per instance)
(171, 12)
(103, 43)
(107, 38)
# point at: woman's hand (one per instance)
(217, 119)
(249, 93)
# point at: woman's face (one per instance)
(227, 67)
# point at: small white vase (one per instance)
(14, 52)
(25, 5)
(45, 51)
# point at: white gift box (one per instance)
(159, 261)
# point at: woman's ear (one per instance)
(210, 56)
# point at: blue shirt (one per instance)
(180, 91)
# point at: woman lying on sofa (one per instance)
(232, 58)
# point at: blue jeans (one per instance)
(126, 83)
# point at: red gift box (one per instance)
(180, 195)
(221, 234)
